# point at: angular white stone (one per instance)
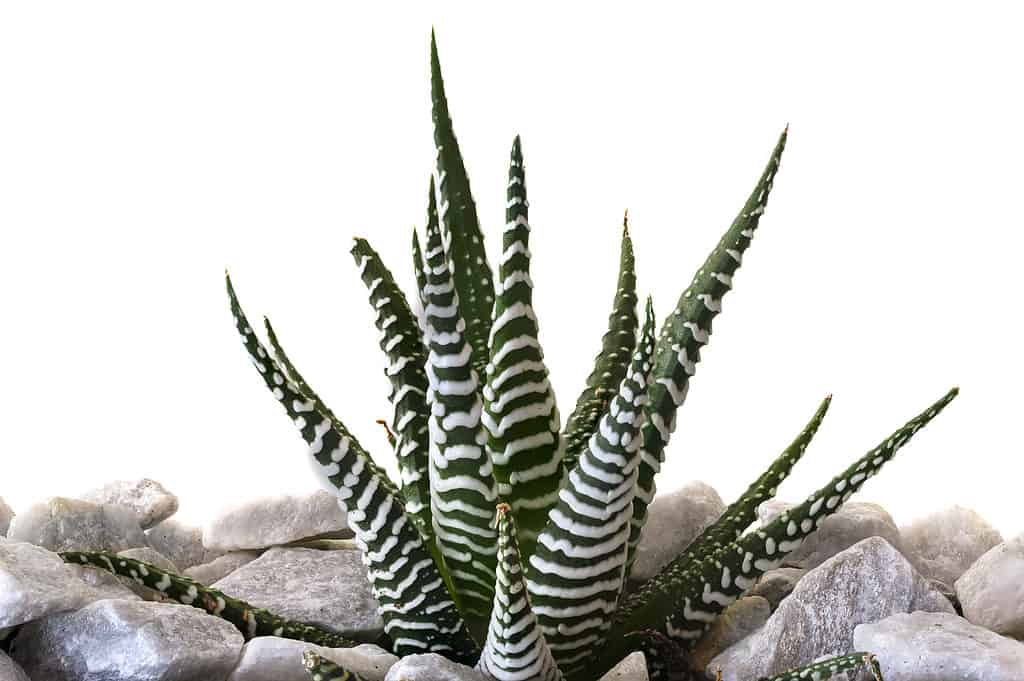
(924, 646)
(632, 668)
(674, 520)
(776, 584)
(432, 667)
(277, 520)
(327, 588)
(991, 592)
(117, 640)
(148, 498)
(853, 522)
(865, 583)
(944, 544)
(10, 671)
(61, 524)
(221, 566)
(181, 544)
(269, 658)
(106, 584)
(6, 515)
(35, 582)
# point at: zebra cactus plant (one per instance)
(509, 540)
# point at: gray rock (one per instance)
(327, 588)
(181, 544)
(146, 497)
(853, 522)
(432, 667)
(61, 524)
(923, 646)
(991, 592)
(106, 584)
(117, 640)
(277, 520)
(152, 556)
(221, 566)
(269, 658)
(776, 584)
(865, 583)
(10, 671)
(35, 582)
(742, 618)
(6, 515)
(632, 668)
(675, 519)
(767, 511)
(944, 544)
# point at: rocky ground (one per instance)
(939, 600)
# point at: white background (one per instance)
(145, 147)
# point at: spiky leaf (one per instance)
(519, 404)
(419, 615)
(686, 330)
(464, 241)
(577, 571)
(685, 598)
(741, 513)
(826, 669)
(462, 488)
(515, 647)
(401, 340)
(611, 362)
(322, 669)
(247, 618)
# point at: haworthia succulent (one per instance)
(463, 492)
(515, 649)
(249, 619)
(519, 404)
(322, 669)
(686, 597)
(687, 329)
(577, 571)
(464, 242)
(419, 614)
(401, 340)
(826, 669)
(611, 362)
(742, 512)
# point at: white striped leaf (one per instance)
(419, 614)
(577, 570)
(519, 404)
(515, 649)
(611, 362)
(686, 330)
(463, 239)
(462, 487)
(402, 342)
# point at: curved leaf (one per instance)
(687, 329)
(419, 614)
